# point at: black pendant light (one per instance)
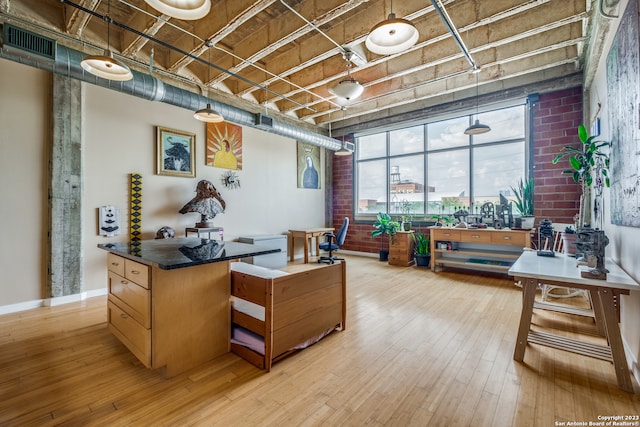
(477, 128)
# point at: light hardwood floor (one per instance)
(420, 349)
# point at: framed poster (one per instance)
(175, 152)
(308, 166)
(224, 146)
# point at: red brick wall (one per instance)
(555, 123)
(556, 118)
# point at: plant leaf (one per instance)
(582, 133)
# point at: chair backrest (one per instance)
(342, 233)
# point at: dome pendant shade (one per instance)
(106, 66)
(182, 9)
(348, 89)
(342, 152)
(393, 35)
(208, 115)
(477, 128)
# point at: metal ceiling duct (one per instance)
(67, 63)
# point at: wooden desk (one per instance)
(307, 235)
(561, 270)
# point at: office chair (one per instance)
(331, 246)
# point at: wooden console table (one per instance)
(478, 248)
(531, 270)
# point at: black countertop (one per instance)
(168, 254)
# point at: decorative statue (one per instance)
(166, 232)
(592, 242)
(208, 203)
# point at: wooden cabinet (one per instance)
(486, 249)
(169, 319)
(128, 306)
(401, 250)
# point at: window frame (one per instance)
(422, 218)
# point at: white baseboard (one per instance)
(632, 361)
(356, 253)
(50, 302)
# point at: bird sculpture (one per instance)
(208, 203)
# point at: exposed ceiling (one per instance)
(275, 59)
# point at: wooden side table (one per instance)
(401, 250)
(307, 235)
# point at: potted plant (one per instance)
(406, 215)
(587, 164)
(524, 202)
(384, 225)
(421, 249)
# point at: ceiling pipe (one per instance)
(185, 53)
(454, 32)
(359, 59)
(209, 44)
(146, 86)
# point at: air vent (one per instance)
(31, 42)
(262, 120)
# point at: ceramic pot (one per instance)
(569, 243)
(422, 260)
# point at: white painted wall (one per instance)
(24, 123)
(120, 139)
(624, 246)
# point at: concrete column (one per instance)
(65, 188)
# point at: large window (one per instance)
(435, 169)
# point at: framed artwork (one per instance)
(224, 146)
(175, 152)
(308, 166)
(623, 98)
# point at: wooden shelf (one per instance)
(484, 253)
(480, 249)
(466, 263)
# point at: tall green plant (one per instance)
(587, 163)
(583, 160)
(524, 197)
(385, 225)
(421, 241)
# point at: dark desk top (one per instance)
(168, 254)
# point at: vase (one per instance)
(528, 222)
(569, 243)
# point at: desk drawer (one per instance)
(136, 299)
(452, 235)
(509, 238)
(115, 263)
(137, 272)
(131, 333)
(475, 237)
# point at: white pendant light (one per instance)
(343, 151)
(477, 128)
(208, 114)
(182, 9)
(348, 88)
(393, 35)
(106, 66)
